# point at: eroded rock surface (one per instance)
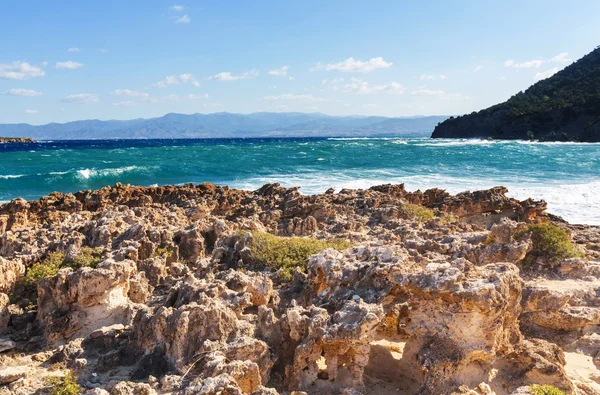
(175, 300)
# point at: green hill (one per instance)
(564, 107)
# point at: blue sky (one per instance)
(70, 60)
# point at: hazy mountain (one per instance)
(227, 125)
(563, 107)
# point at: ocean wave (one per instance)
(5, 177)
(87, 174)
(361, 138)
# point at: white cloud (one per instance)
(31, 112)
(176, 8)
(443, 77)
(292, 97)
(129, 93)
(291, 78)
(172, 98)
(561, 58)
(227, 76)
(177, 79)
(428, 92)
(355, 65)
(184, 19)
(476, 69)
(358, 86)
(44, 63)
(525, 65)
(102, 50)
(281, 72)
(73, 49)
(21, 92)
(545, 74)
(20, 71)
(127, 103)
(81, 98)
(425, 77)
(536, 63)
(68, 65)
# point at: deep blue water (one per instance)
(567, 175)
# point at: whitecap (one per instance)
(12, 176)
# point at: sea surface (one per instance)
(566, 175)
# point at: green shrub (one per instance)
(550, 243)
(537, 389)
(160, 251)
(49, 266)
(87, 257)
(287, 253)
(26, 287)
(66, 385)
(449, 219)
(423, 214)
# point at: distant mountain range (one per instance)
(564, 107)
(219, 125)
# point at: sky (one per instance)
(70, 60)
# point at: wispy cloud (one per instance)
(174, 98)
(177, 79)
(69, 64)
(355, 65)
(176, 8)
(20, 71)
(292, 97)
(358, 86)
(545, 74)
(524, 65)
(536, 63)
(126, 103)
(428, 92)
(184, 19)
(129, 93)
(476, 69)
(31, 112)
(73, 49)
(81, 98)
(21, 92)
(428, 77)
(227, 76)
(281, 72)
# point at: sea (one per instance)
(566, 175)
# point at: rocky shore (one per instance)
(210, 290)
(7, 140)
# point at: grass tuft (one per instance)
(550, 243)
(287, 253)
(423, 214)
(66, 385)
(537, 389)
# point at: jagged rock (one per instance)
(80, 302)
(4, 312)
(431, 303)
(12, 373)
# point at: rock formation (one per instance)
(160, 290)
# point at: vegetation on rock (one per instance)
(66, 385)
(419, 212)
(545, 390)
(287, 253)
(550, 243)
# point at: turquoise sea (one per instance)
(566, 175)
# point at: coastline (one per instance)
(379, 282)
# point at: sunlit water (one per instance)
(566, 175)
